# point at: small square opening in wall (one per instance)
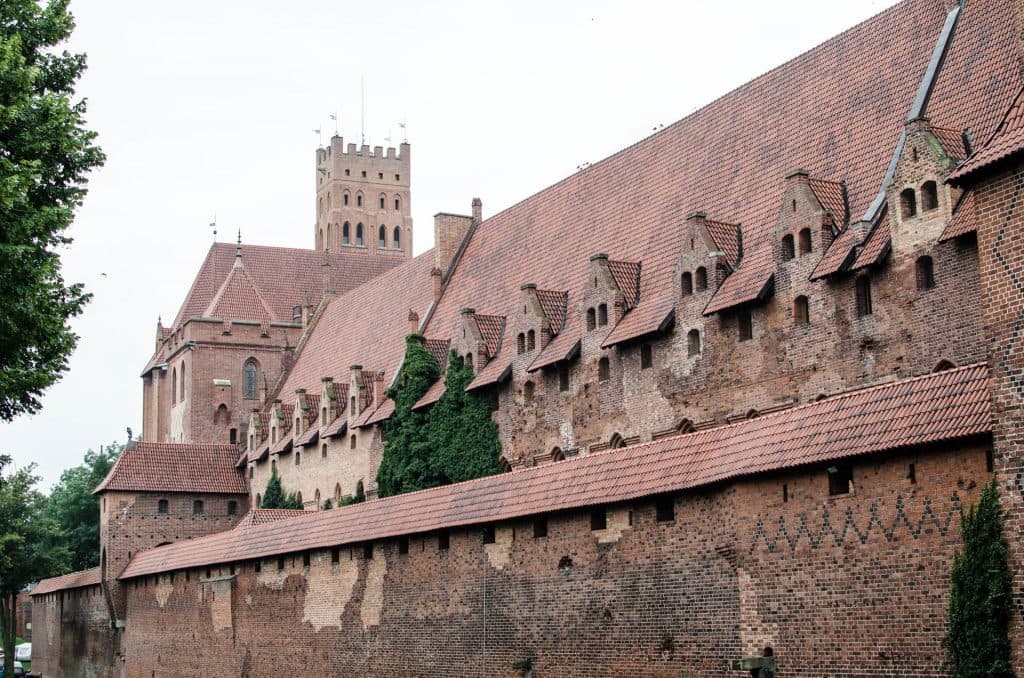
(665, 509)
(403, 546)
(646, 356)
(280, 563)
(540, 527)
(487, 534)
(257, 567)
(443, 540)
(598, 519)
(368, 550)
(305, 559)
(335, 555)
(840, 479)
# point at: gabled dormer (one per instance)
(612, 288)
(539, 317)
(813, 212)
(358, 389)
(329, 403)
(480, 337)
(711, 251)
(920, 201)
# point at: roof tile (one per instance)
(175, 467)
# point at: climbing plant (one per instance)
(977, 642)
(462, 436)
(405, 465)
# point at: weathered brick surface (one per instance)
(73, 635)
(739, 569)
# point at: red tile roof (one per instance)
(627, 278)
(553, 305)
(308, 437)
(239, 299)
(965, 219)
(727, 239)
(565, 346)
(492, 327)
(839, 254)
(263, 516)
(433, 394)
(175, 467)
(875, 247)
(952, 142)
(832, 197)
(730, 158)
(74, 580)
(439, 349)
(386, 409)
(948, 405)
(1007, 141)
(336, 427)
(261, 452)
(495, 371)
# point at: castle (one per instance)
(745, 374)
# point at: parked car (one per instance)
(23, 652)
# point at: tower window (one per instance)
(863, 293)
(344, 199)
(531, 340)
(591, 319)
(174, 385)
(563, 377)
(359, 234)
(521, 343)
(398, 204)
(908, 203)
(197, 508)
(805, 241)
(700, 279)
(345, 238)
(359, 198)
(603, 369)
(161, 507)
(396, 242)
(233, 436)
(250, 380)
(528, 391)
(925, 273)
(363, 174)
(382, 202)
(348, 173)
(646, 356)
(929, 196)
(323, 451)
(801, 311)
(298, 458)
(380, 175)
(352, 442)
(788, 251)
(744, 326)
(602, 315)
(693, 342)
(686, 285)
(382, 237)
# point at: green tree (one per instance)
(977, 642)
(274, 497)
(45, 155)
(462, 436)
(405, 465)
(30, 547)
(76, 511)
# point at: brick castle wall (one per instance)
(73, 635)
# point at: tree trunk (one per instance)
(7, 630)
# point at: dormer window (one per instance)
(805, 241)
(531, 340)
(686, 284)
(700, 279)
(693, 343)
(602, 315)
(521, 343)
(591, 319)
(801, 311)
(788, 250)
(603, 369)
(925, 273)
(908, 203)
(929, 196)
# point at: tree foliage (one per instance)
(455, 440)
(406, 465)
(275, 498)
(76, 511)
(45, 155)
(977, 642)
(30, 547)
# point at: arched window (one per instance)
(345, 235)
(221, 415)
(591, 319)
(700, 279)
(359, 201)
(352, 405)
(908, 203)
(398, 204)
(337, 494)
(693, 342)
(469, 360)
(521, 343)
(330, 237)
(298, 457)
(352, 442)
(162, 507)
(359, 235)
(801, 311)
(685, 426)
(753, 414)
(616, 442)
(744, 326)
(251, 370)
(687, 284)
(323, 415)
(298, 496)
(323, 451)
(603, 369)
(531, 340)
(863, 293)
(528, 391)
(273, 466)
(396, 240)
(181, 392)
(929, 196)
(316, 495)
(259, 500)
(925, 273)
(344, 199)
(943, 365)
(788, 250)
(360, 492)
(382, 237)
(320, 240)
(602, 315)
(197, 507)
(805, 241)
(382, 202)
(557, 455)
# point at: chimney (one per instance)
(378, 389)
(414, 322)
(450, 230)
(435, 276)
(478, 210)
(355, 390)
(325, 274)
(799, 176)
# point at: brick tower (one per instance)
(363, 199)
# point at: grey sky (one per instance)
(207, 107)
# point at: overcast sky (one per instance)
(208, 107)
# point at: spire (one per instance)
(238, 250)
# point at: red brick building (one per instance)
(746, 373)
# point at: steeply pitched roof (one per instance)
(730, 159)
(964, 221)
(727, 239)
(938, 407)
(875, 246)
(1008, 140)
(73, 580)
(238, 298)
(492, 327)
(553, 305)
(832, 197)
(175, 467)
